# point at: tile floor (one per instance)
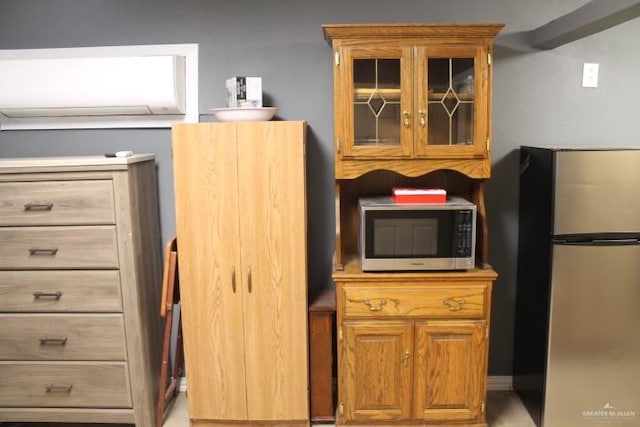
(504, 409)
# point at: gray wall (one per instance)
(537, 95)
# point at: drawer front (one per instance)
(62, 337)
(57, 202)
(447, 301)
(58, 247)
(64, 384)
(60, 291)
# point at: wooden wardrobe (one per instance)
(241, 230)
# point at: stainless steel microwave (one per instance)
(417, 236)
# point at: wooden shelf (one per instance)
(389, 94)
(353, 273)
(462, 96)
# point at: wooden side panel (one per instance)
(140, 260)
(321, 346)
(205, 174)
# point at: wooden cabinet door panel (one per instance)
(376, 105)
(464, 119)
(206, 189)
(273, 251)
(450, 370)
(377, 369)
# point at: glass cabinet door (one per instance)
(451, 105)
(377, 114)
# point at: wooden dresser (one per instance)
(80, 278)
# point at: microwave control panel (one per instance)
(464, 230)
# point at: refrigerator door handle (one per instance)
(599, 242)
(614, 242)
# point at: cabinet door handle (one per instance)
(60, 388)
(53, 340)
(454, 304)
(406, 355)
(32, 206)
(249, 285)
(372, 307)
(423, 118)
(233, 279)
(406, 121)
(43, 251)
(42, 294)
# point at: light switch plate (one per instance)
(590, 75)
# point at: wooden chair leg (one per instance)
(164, 370)
(170, 295)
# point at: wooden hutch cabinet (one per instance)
(412, 108)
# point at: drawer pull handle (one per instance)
(46, 206)
(41, 294)
(43, 251)
(53, 340)
(58, 388)
(372, 307)
(453, 304)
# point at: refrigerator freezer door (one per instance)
(593, 366)
(597, 191)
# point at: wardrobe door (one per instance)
(206, 193)
(272, 210)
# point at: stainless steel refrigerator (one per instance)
(577, 331)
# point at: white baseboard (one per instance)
(494, 383)
(500, 383)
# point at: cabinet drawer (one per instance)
(61, 337)
(450, 300)
(64, 384)
(60, 291)
(58, 247)
(56, 202)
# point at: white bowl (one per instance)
(244, 114)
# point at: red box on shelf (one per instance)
(419, 195)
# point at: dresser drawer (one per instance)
(60, 291)
(62, 337)
(64, 384)
(57, 202)
(451, 301)
(58, 247)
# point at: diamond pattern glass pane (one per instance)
(450, 86)
(376, 101)
(364, 122)
(388, 129)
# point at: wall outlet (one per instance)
(590, 75)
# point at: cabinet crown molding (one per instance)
(360, 31)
